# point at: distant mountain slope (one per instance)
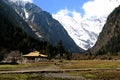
(43, 25)
(109, 39)
(14, 31)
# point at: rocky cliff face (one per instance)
(109, 38)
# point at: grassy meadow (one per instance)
(82, 64)
(28, 77)
(84, 70)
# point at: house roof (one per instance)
(35, 54)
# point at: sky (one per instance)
(54, 6)
(83, 8)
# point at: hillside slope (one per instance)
(109, 38)
(14, 32)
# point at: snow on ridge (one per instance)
(84, 32)
(37, 33)
(26, 14)
(33, 18)
(21, 1)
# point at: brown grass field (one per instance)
(78, 70)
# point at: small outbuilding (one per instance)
(35, 56)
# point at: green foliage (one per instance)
(89, 76)
(62, 51)
(29, 77)
(60, 48)
(52, 51)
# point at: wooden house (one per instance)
(35, 56)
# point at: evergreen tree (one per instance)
(60, 49)
(49, 49)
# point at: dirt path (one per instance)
(53, 70)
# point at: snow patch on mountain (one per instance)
(84, 31)
(22, 11)
(25, 1)
(26, 13)
(33, 18)
(36, 32)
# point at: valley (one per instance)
(35, 44)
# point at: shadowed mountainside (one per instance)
(14, 32)
(109, 39)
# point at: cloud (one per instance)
(28, 0)
(64, 12)
(69, 14)
(99, 7)
(77, 16)
(92, 8)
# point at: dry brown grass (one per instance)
(78, 64)
(97, 74)
(73, 64)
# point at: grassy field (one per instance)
(82, 64)
(72, 64)
(22, 66)
(28, 77)
(93, 75)
(99, 69)
(97, 74)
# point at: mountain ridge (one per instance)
(44, 26)
(15, 34)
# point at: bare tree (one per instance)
(13, 56)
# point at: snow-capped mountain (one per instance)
(85, 31)
(43, 24)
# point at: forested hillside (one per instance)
(109, 39)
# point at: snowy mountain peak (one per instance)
(83, 31)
